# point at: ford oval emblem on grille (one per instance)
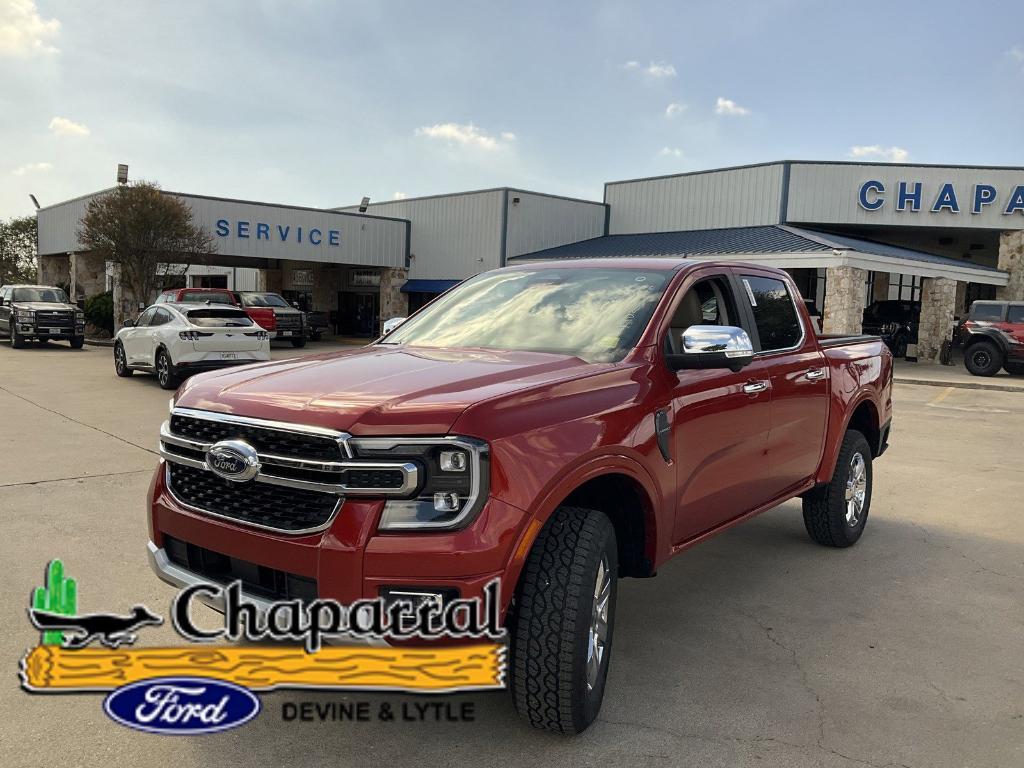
(233, 460)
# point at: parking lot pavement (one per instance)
(757, 648)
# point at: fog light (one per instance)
(446, 502)
(453, 461)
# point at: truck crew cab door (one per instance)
(719, 419)
(787, 347)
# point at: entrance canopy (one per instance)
(775, 245)
(250, 233)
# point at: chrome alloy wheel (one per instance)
(598, 639)
(119, 360)
(856, 490)
(163, 368)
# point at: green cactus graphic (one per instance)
(60, 595)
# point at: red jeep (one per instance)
(993, 338)
(556, 426)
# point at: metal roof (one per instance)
(750, 241)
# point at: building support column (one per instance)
(844, 300)
(54, 270)
(393, 303)
(1011, 260)
(938, 305)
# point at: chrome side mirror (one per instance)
(390, 325)
(713, 346)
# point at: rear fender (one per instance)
(834, 440)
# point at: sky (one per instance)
(318, 103)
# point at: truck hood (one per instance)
(43, 305)
(377, 390)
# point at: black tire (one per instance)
(828, 516)
(165, 373)
(1014, 369)
(121, 362)
(298, 343)
(983, 358)
(17, 340)
(899, 347)
(554, 683)
(77, 342)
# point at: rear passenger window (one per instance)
(992, 313)
(1015, 315)
(778, 324)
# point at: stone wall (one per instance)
(938, 304)
(54, 270)
(393, 303)
(1011, 259)
(88, 275)
(844, 300)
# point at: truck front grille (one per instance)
(291, 510)
(288, 322)
(296, 445)
(55, 318)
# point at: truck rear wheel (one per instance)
(564, 616)
(835, 514)
(983, 359)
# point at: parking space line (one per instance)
(941, 396)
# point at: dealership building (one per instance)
(849, 233)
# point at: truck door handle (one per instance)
(753, 387)
(815, 374)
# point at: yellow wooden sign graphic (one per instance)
(429, 670)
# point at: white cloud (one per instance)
(28, 168)
(61, 126)
(467, 135)
(671, 152)
(673, 109)
(23, 32)
(876, 152)
(730, 107)
(656, 70)
(399, 196)
(1016, 55)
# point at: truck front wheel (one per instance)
(561, 637)
(983, 358)
(835, 514)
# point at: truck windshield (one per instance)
(594, 314)
(213, 297)
(49, 295)
(263, 300)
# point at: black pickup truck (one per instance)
(39, 312)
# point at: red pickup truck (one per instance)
(556, 426)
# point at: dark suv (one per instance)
(895, 321)
(993, 338)
(40, 312)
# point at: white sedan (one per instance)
(176, 340)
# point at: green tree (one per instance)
(18, 250)
(149, 236)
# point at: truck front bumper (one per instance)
(348, 561)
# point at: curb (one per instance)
(100, 342)
(957, 384)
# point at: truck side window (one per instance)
(1015, 314)
(708, 302)
(778, 324)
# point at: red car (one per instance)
(555, 426)
(993, 338)
(270, 310)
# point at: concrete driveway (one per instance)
(755, 649)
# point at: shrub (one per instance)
(99, 311)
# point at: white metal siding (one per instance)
(362, 240)
(739, 197)
(541, 221)
(453, 236)
(829, 194)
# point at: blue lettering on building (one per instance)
(281, 233)
(908, 197)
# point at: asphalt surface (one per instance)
(757, 648)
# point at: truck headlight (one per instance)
(24, 315)
(454, 480)
(80, 317)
